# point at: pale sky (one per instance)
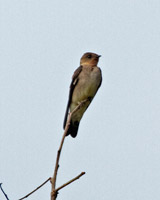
(118, 143)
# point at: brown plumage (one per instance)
(86, 81)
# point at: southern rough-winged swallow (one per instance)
(86, 81)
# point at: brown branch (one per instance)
(3, 191)
(53, 180)
(54, 191)
(36, 189)
(72, 180)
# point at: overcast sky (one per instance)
(118, 143)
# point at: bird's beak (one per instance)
(99, 56)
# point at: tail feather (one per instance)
(73, 129)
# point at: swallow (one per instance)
(85, 83)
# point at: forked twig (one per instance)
(54, 191)
(53, 180)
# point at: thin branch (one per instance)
(53, 180)
(54, 191)
(3, 191)
(72, 180)
(36, 189)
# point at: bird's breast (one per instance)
(88, 83)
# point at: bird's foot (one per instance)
(89, 99)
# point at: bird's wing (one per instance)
(72, 86)
(100, 81)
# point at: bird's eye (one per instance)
(89, 56)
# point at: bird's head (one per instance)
(90, 59)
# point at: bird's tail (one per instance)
(73, 129)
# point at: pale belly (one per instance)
(86, 87)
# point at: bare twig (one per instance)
(53, 180)
(72, 180)
(54, 191)
(36, 189)
(3, 191)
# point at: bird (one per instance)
(85, 83)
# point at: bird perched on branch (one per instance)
(86, 81)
